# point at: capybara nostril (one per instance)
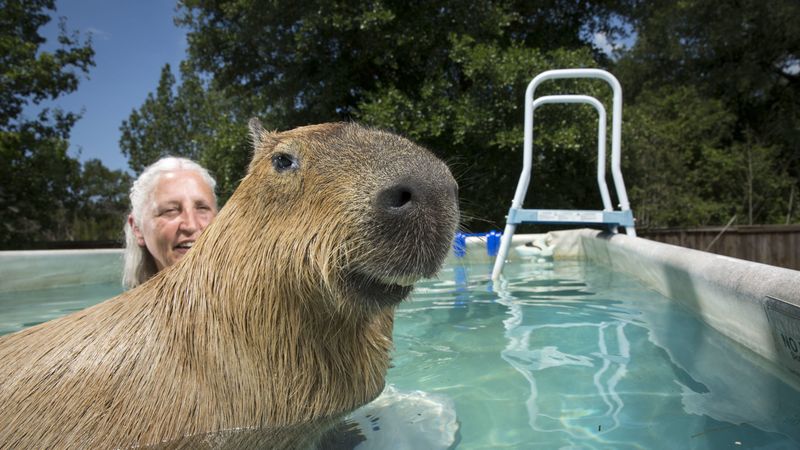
(396, 197)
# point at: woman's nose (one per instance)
(190, 222)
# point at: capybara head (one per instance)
(350, 212)
(274, 326)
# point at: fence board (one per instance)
(777, 245)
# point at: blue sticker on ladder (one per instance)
(493, 242)
(460, 245)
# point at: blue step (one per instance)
(570, 217)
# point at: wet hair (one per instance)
(139, 264)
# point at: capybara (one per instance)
(275, 326)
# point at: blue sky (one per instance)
(132, 40)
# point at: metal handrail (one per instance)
(601, 137)
(616, 139)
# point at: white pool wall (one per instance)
(27, 270)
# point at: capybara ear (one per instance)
(262, 139)
(257, 132)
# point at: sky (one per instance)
(132, 40)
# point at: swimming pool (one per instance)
(572, 355)
(566, 354)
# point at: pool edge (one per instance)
(738, 298)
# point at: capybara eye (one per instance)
(282, 162)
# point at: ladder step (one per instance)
(570, 216)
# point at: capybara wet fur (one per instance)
(275, 326)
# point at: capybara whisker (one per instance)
(274, 326)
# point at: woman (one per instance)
(172, 202)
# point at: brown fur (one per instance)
(259, 337)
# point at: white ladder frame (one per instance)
(607, 216)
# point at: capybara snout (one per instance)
(420, 205)
(409, 227)
(411, 196)
(392, 204)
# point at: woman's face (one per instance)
(181, 207)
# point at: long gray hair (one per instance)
(139, 263)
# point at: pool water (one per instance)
(20, 310)
(564, 355)
(569, 355)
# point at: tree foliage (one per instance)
(189, 120)
(711, 116)
(101, 197)
(41, 187)
(447, 74)
(670, 135)
(715, 89)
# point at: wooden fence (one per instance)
(777, 245)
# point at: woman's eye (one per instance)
(282, 162)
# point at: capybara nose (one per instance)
(411, 195)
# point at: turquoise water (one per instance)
(563, 356)
(20, 310)
(574, 356)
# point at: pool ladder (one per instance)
(608, 216)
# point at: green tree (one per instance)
(742, 57)
(192, 120)
(36, 174)
(156, 129)
(314, 61)
(101, 203)
(686, 168)
(669, 135)
(450, 75)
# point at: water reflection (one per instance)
(607, 365)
